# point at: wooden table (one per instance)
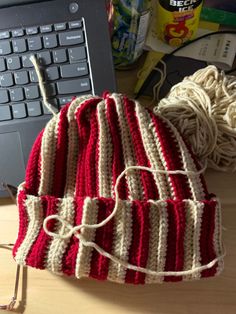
(43, 292)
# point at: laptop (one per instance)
(71, 42)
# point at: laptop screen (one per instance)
(8, 3)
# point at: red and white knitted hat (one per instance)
(112, 192)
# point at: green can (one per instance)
(130, 21)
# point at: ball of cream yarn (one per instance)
(203, 109)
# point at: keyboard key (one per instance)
(52, 73)
(33, 76)
(4, 34)
(50, 41)
(13, 63)
(54, 103)
(46, 28)
(5, 47)
(59, 55)
(3, 96)
(32, 30)
(77, 54)
(34, 43)
(75, 24)
(2, 65)
(74, 70)
(26, 61)
(50, 89)
(17, 32)
(60, 26)
(71, 38)
(16, 94)
(5, 113)
(73, 86)
(64, 100)
(31, 92)
(19, 111)
(6, 80)
(19, 45)
(46, 110)
(34, 108)
(21, 77)
(44, 58)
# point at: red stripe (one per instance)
(175, 239)
(140, 241)
(32, 176)
(207, 237)
(23, 221)
(61, 154)
(91, 156)
(38, 252)
(180, 233)
(83, 122)
(118, 159)
(70, 255)
(171, 154)
(148, 182)
(104, 238)
(96, 167)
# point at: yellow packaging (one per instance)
(177, 20)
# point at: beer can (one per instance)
(177, 20)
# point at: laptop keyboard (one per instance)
(62, 55)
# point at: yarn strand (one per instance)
(203, 108)
(74, 230)
(41, 85)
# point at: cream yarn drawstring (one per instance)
(75, 230)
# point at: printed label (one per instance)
(180, 5)
(177, 21)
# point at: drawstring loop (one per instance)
(76, 230)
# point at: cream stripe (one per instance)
(196, 209)
(58, 246)
(48, 152)
(35, 219)
(122, 237)
(217, 238)
(154, 219)
(73, 146)
(133, 178)
(105, 153)
(72, 156)
(75, 105)
(153, 149)
(163, 232)
(84, 255)
(188, 164)
(188, 237)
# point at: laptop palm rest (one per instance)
(11, 158)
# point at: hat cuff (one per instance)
(160, 235)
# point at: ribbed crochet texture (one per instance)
(164, 222)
